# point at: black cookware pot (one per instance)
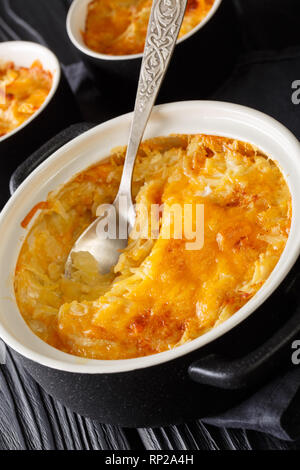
(205, 376)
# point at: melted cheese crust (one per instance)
(22, 92)
(159, 295)
(119, 27)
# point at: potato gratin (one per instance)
(160, 295)
(119, 27)
(22, 92)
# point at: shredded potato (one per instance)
(22, 92)
(119, 27)
(159, 295)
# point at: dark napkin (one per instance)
(275, 409)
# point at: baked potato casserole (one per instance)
(119, 27)
(22, 92)
(160, 294)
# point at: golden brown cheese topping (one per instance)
(119, 27)
(22, 92)
(160, 294)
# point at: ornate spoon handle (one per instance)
(163, 29)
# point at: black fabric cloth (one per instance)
(275, 409)
(262, 78)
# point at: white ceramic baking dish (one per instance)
(23, 54)
(76, 20)
(207, 117)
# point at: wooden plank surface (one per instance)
(32, 420)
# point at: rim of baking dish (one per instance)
(79, 43)
(227, 119)
(56, 74)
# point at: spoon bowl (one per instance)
(104, 239)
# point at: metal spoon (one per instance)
(164, 25)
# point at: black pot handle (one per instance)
(45, 151)
(254, 368)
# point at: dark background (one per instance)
(267, 52)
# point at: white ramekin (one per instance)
(76, 20)
(23, 54)
(207, 117)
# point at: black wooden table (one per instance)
(29, 418)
